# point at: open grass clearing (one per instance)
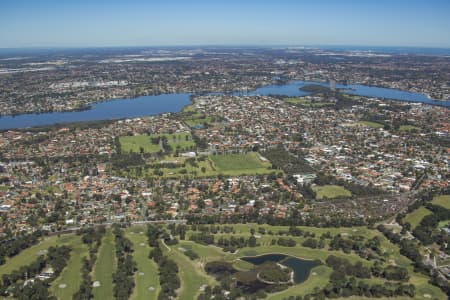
(330, 191)
(306, 102)
(197, 119)
(242, 265)
(214, 165)
(192, 274)
(135, 143)
(408, 128)
(443, 224)
(29, 255)
(177, 171)
(318, 277)
(443, 200)
(104, 268)
(180, 140)
(188, 108)
(371, 124)
(240, 164)
(206, 253)
(146, 275)
(70, 277)
(416, 216)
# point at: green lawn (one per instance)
(392, 254)
(297, 251)
(408, 128)
(318, 277)
(239, 164)
(188, 108)
(330, 191)
(212, 166)
(134, 143)
(176, 172)
(29, 255)
(371, 124)
(144, 265)
(206, 253)
(194, 118)
(197, 119)
(443, 200)
(305, 102)
(181, 140)
(416, 216)
(192, 274)
(104, 268)
(243, 265)
(443, 224)
(71, 275)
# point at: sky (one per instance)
(103, 23)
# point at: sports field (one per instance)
(306, 103)
(239, 164)
(182, 141)
(408, 128)
(371, 124)
(330, 191)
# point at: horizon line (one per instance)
(311, 46)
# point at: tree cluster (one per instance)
(290, 164)
(92, 237)
(410, 249)
(11, 246)
(286, 242)
(426, 230)
(123, 278)
(12, 284)
(168, 274)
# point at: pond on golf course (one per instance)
(301, 267)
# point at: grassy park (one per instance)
(330, 191)
(416, 216)
(319, 275)
(191, 272)
(182, 141)
(68, 282)
(206, 166)
(239, 164)
(146, 278)
(136, 142)
(371, 124)
(104, 268)
(443, 200)
(409, 128)
(302, 101)
(29, 255)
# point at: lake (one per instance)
(157, 104)
(292, 89)
(301, 267)
(107, 110)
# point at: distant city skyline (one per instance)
(103, 23)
